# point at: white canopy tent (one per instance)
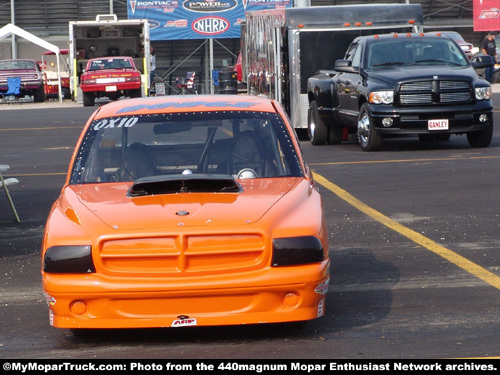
(10, 29)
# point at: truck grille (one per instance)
(183, 255)
(435, 93)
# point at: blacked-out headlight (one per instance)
(296, 250)
(68, 259)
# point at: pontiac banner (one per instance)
(197, 19)
(486, 15)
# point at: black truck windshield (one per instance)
(414, 51)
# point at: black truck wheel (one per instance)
(369, 138)
(316, 128)
(480, 138)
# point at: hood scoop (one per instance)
(188, 183)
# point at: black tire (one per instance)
(369, 138)
(481, 138)
(316, 128)
(335, 135)
(39, 94)
(88, 99)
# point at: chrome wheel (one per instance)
(369, 137)
(364, 129)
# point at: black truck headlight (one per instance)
(381, 97)
(68, 259)
(291, 251)
(483, 93)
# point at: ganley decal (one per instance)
(210, 25)
(209, 6)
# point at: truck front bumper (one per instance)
(416, 120)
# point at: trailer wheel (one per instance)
(369, 138)
(88, 99)
(316, 128)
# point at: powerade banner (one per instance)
(486, 15)
(197, 19)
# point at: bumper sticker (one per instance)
(321, 308)
(51, 301)
(323, 287)
(184, 322)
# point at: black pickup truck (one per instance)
(398, 84)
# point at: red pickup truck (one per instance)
(31, 77)
(111, 77)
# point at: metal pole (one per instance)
(110, 6)
(211, 65)
(13, 21)
(207, 70)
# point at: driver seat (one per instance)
(248, 152)
(137, 163)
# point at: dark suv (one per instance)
(31, 77)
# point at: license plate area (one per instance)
(438, 124)
(110, 88)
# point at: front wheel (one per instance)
(369, 138)
(481, 138)
(316, 128)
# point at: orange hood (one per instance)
(113, 206)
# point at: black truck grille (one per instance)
(435, 92)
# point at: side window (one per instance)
(350, 52)
(356, 58)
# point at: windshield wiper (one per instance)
(436, 61)
(431, 61)
(390, 63)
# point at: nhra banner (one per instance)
(197, 19)
(486, 15)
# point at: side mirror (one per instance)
(345, 66)
(482, 61)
